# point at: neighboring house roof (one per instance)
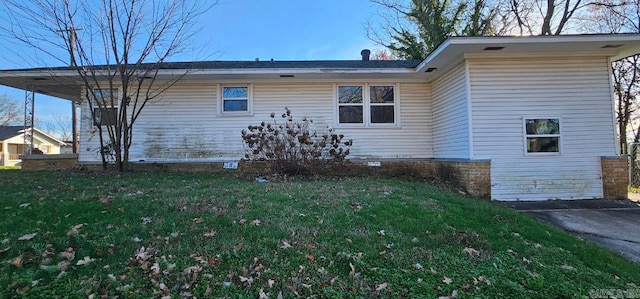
(63, 82)
(7, 132)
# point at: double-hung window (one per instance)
(235, 99)
(542, 135)
(367, 104)
(350, 104)
(105, 107)
(382, 108)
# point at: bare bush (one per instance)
(293, 148)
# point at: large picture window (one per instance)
(542, 135)
(367, 104)
(235, 99)
(105, 108)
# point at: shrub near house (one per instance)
(294, 147)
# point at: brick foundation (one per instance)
(49, 162)
(615, 177)
(472, 177)
(469, 176)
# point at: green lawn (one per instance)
(10, 167)
(145, 235)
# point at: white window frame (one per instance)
(113, 105)
(366, 106)
(221, 100)
(338, 104)
(526, 136)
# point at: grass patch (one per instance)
(155, 234)
(10, 167)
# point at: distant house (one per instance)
(12, 144)
(513, 118)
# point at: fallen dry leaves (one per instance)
(447, 280)
(16, 261)
(27, 237)
(86, 260)
(75, 229)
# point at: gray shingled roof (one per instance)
(7, 132)
(301, 64)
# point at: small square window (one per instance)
(235, 99)
(105, 108)
(542, 135)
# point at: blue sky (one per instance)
(245, 30)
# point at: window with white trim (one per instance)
(367, 104)
(350, 104)
(542, 135)
(105, 108)
(235, 99)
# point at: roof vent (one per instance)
(431, 69)
(39, 79)
(493, 48)
(612, 46)
(365, 54)
(257, 59)
(286, 76)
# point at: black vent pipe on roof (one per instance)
(365, 54)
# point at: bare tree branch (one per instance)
(123, 47)
(11, 112)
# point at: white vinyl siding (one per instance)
(451, 115)
(574, 89)
(184, 124)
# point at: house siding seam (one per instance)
(184, 125)
(450, 115)
(576, 89)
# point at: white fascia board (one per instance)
(470, 40)
(433, 55)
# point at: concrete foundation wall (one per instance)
(615, 177)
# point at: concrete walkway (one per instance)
(611, 224)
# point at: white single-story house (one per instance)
(12, 144)
(524, 118)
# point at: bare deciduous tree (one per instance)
(59, 126)
(548, 17)
(10, 111)
(620, 16)
(117, 48)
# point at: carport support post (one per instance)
(29, 105)
(74, 127)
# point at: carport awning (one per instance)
(62, 85)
